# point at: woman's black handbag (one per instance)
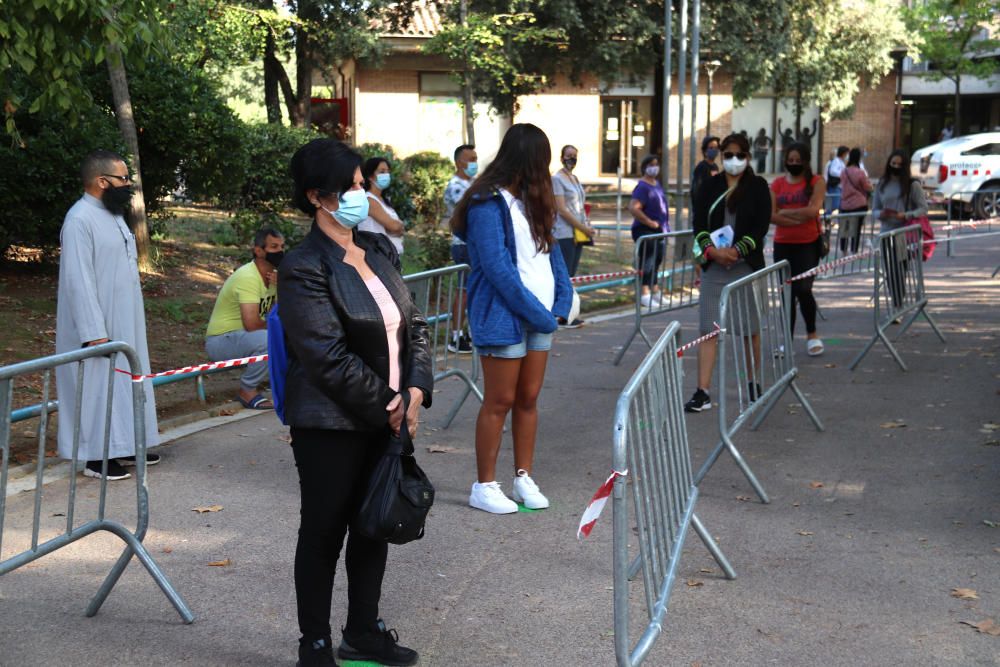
(399, 494)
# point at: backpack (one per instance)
(277, 361)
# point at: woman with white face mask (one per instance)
(648, 207)
(739, 198)
(382, 218)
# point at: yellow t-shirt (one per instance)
(244, 286)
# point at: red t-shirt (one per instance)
(790, 196)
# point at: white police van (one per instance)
(964, 170)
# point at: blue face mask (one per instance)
(712, 153)
(383, 181)
(472, 169)
(352, 210)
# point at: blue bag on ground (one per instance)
(277, 361)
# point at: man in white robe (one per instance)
(100, 299)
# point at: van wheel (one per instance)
(987, 204)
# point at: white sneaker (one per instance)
(647, 300)
(526, 491)
(658, 299)
(489, 498)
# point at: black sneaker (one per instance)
(151, 460)
(316, 653)
(377, 645)
(460, 344)
(753, 391)
(575, 324)
(699, 401)
(115, 470)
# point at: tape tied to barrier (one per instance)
(597, 503)
(229, 363)
(578, 280)
(698, 341)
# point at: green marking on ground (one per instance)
(833, 341)
(358, 663)
(522, 508)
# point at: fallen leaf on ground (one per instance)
(707, 570)
(991, 426)
(992, 443)
(221, 563)
(694, 583)
(894, 424)
(829, 365)
(207, 508)
(987, 626)
(285, 438)
(935, 428)
(743, 499)
(805, 533)
(226, 412)
(815, 485)
(991, 524)
(441, 449)
(964, 594)
(167, 550)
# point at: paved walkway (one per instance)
(853, 563)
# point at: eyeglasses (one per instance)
(123, 179)
(729, 155)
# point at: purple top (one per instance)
(654, 205)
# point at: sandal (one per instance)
(814, 347)
(258, 402)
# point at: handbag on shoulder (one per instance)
(399, 494)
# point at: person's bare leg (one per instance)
(499, 389)
(706, 362)
(524, 421)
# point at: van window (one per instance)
(984, 149)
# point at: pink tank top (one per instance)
(393, 329)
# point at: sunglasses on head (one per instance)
(729, 155)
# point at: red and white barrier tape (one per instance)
(699, 341)
(229, 363)
(596, 505)
(577, 280)
(958, 224)
(829, 265)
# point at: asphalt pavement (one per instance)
(874, 525)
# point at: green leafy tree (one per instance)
(507, 55)
(833, 48)
(958, 41)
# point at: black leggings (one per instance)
(801, 257)
(334, 467)
(650, 258)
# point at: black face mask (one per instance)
(116, 200)
(894, 171)
(795, 169)
(569, 162)
(274, 258)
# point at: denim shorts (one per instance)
(532, 341)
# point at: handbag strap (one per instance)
(716, 203)
(405, 441)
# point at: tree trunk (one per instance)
(304, 66)
(470, 125)
(126, 125)
(798, 110)
(271, 100)
(958, 106)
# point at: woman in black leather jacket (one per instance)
(355, 340)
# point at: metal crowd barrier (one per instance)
(756, 341)
(650, 441)
(72, 533)
(439, 295)
(985, 204)
(850, 234)
(899, 288)
(676, 282)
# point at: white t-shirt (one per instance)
(370, 224)
(532, 265)
(570, 188)
(452, 194)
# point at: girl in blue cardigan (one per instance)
(518, 285)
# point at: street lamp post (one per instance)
(710, 67)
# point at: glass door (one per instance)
(625, 131)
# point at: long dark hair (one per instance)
(744, 183)
(805, 154)
(522, 166)
(854, 158)
(905, 179)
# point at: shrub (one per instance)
(428, 175)
(265, 192)
(40, 180)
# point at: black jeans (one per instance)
(801, 257)
(851, 229)
(650, 257)
(334, 467)
(571, 252)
